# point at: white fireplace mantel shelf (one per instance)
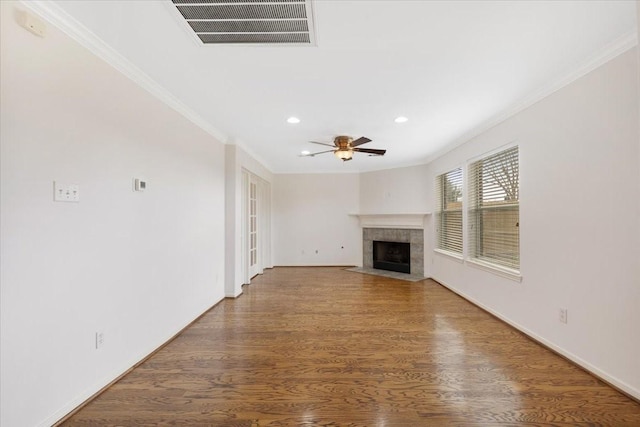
(392, 220)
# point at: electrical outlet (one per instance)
(563, 315)
(99, 340)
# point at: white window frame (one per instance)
(474, 208)
(444, 241)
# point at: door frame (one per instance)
(263, 225)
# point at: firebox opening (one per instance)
(392, 256)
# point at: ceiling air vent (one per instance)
(249, 21)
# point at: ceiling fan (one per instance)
(345, 146)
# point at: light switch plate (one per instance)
(66, 192)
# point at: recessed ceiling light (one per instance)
(305, 152)
(293, 120)
(401, 119)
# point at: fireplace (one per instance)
(413, 238)
(392, 256)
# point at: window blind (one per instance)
(449, 211)
(494, 213)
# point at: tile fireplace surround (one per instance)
(415, 238)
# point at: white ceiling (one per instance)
(452, 67)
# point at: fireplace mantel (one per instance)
(393, 220)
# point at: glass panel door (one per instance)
(253, 228)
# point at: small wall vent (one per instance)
(249, 21)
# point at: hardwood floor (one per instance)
(329, 347)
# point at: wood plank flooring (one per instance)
(329, 347)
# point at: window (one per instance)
(449, 211)
(494, 213)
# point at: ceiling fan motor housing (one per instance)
(343, 142)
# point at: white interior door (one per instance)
(253, 229)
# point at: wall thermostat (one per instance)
(139, 184)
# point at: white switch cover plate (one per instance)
(66, 192)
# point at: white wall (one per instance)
(311, 213)
(638, 51)
(579, 165)
(402, 190)
(136, 266)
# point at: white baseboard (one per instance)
(593, 370)
(106, 381)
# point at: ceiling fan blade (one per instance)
(360, 141)
(313, 154)
(322, 143)
(375, 151)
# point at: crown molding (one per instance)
(54, 14)
(612, 50)
(58, 17)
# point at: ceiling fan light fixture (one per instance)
(401, 119)
(293, 120)
(344, 147)
(344, 154)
